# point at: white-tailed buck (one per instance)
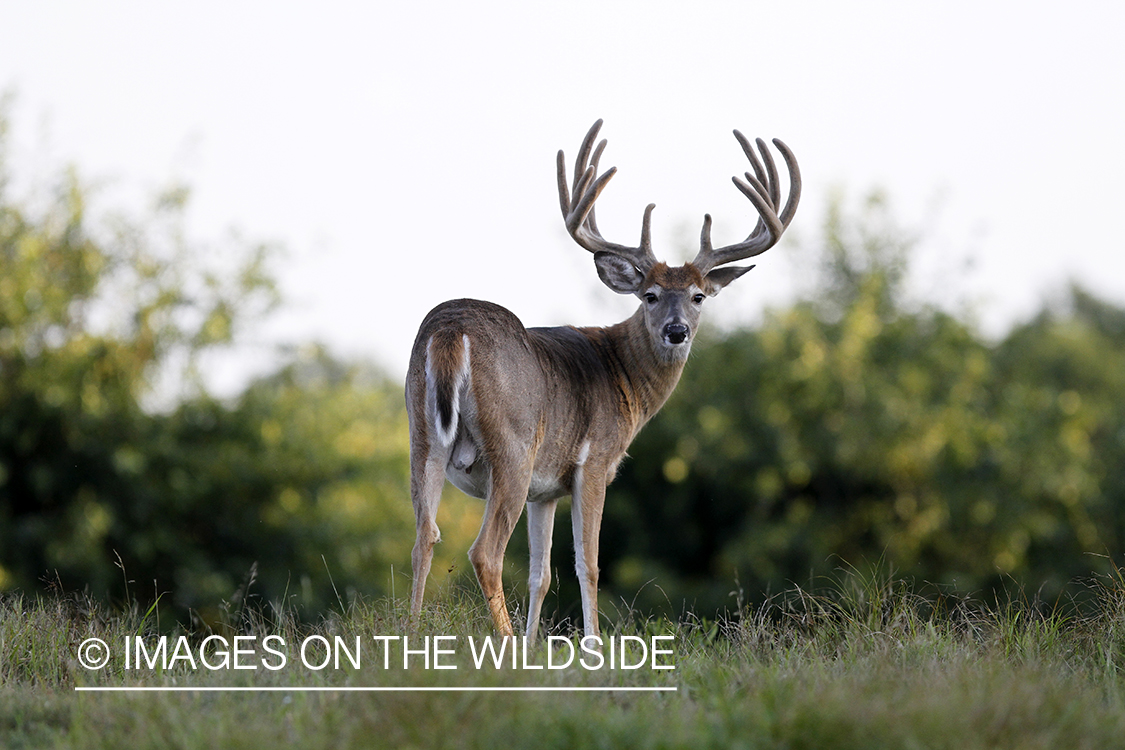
(523, 416)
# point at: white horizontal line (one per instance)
(373, 689)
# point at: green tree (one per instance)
(90, 319)
(114, 481)
(861, 427)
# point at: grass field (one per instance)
(865, 663)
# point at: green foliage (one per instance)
(304, 473)
(857, 426)
(302, 479)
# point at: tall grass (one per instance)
(862, 662)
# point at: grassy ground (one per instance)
(864, 664)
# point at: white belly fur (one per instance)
(475, 483)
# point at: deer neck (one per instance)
(645, 378)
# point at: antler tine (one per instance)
(593, 223)
(578, 204)
(584, 152)
(794, 183)
(771, 172)
(763, 188)
(763, 177)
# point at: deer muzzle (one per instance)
(676, 333)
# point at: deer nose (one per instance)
(675, 333)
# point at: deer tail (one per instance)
(447, 371)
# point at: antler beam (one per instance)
(577, 205)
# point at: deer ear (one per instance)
(720, 277)
(617, 273)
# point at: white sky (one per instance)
(405, 155)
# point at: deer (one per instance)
(525, 416)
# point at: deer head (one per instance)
(672, 297)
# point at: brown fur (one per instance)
(539, 395)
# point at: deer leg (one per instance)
(586, 520)
(540, 524)
(427, 477)
(506, 499)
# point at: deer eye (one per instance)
(697, 299)
(650, 297)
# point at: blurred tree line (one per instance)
(301, 478)
(860, 428)
(857, 427)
